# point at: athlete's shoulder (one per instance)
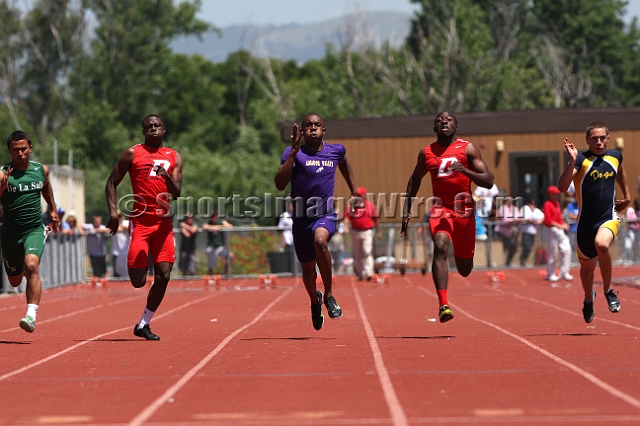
(613, 153)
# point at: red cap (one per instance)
(553, 190)
(361, 190)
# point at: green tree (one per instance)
(131, 58)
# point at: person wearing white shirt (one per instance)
(532, 218)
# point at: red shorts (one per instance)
(461, 229)
(158, 237)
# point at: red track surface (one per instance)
(517, 352)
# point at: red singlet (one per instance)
(150, 225)
(453, 214)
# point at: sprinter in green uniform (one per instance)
(22, 182)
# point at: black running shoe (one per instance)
(612, 300)
(145, 332)
(316, 312)
(332, 307)
(587, 309)
(445, 313)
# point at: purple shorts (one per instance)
(303, 231)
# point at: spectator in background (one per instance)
(363, 218)
(46, 218)
(96, 246)
(215, 242)
(570, 215)
(73, 228)
(120, 247)
(486, 197)
(336, 243)
(632, 238)
(507, 231)
(285, 224)
(189, 232)
(532, 217)
(557, 239)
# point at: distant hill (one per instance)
(297, 42)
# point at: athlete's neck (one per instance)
(314, 145)
(18, 166)
(446, 140)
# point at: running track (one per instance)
(517, 352)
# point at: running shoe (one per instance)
(332, 307)
(587, 309)
(612, 300)
(445, 314)
(567, 276)
(145, 332)
(28, 324)
(316, 312)
(553, 278)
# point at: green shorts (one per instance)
(14, 249)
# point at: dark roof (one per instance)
(480, 123)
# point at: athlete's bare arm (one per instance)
(117, 174)
(478, 172)
(174, 181)
(4, 180)
(564, 181)
(621, 179)
(47, 194)
(412, 190)
(283, 176)
(347, 173)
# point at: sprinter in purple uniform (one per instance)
(311, 169)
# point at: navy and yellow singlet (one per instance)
(595, 183)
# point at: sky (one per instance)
(223, 13)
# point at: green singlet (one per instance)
(23, 231)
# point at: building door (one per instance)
(532, 172)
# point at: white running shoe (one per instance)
(567, 276)
(553, 278)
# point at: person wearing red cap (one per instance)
(364, 218)
(557, 239)
(453, 164)
(595, 174)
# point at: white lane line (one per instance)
(99, 336)
(169, 393)
(70, 314)
(633, 327)
(395, 408)
(584, 374)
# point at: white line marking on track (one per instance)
(169, 393)
(633, 327)
(70, 314)
(99, 336)
(395, 408)
(584, 374)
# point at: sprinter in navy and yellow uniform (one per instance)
(594, 174)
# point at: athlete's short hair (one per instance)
(596, 125)
(455, 119)
(311, 113)
(150, 116)
(18, 135)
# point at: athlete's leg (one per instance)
(603, 240)
(162, 275)
(138, 276)
(323, 258)
(587, 268)
(464, 265)
(440, 267)
(309, 276)
(34, 283)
